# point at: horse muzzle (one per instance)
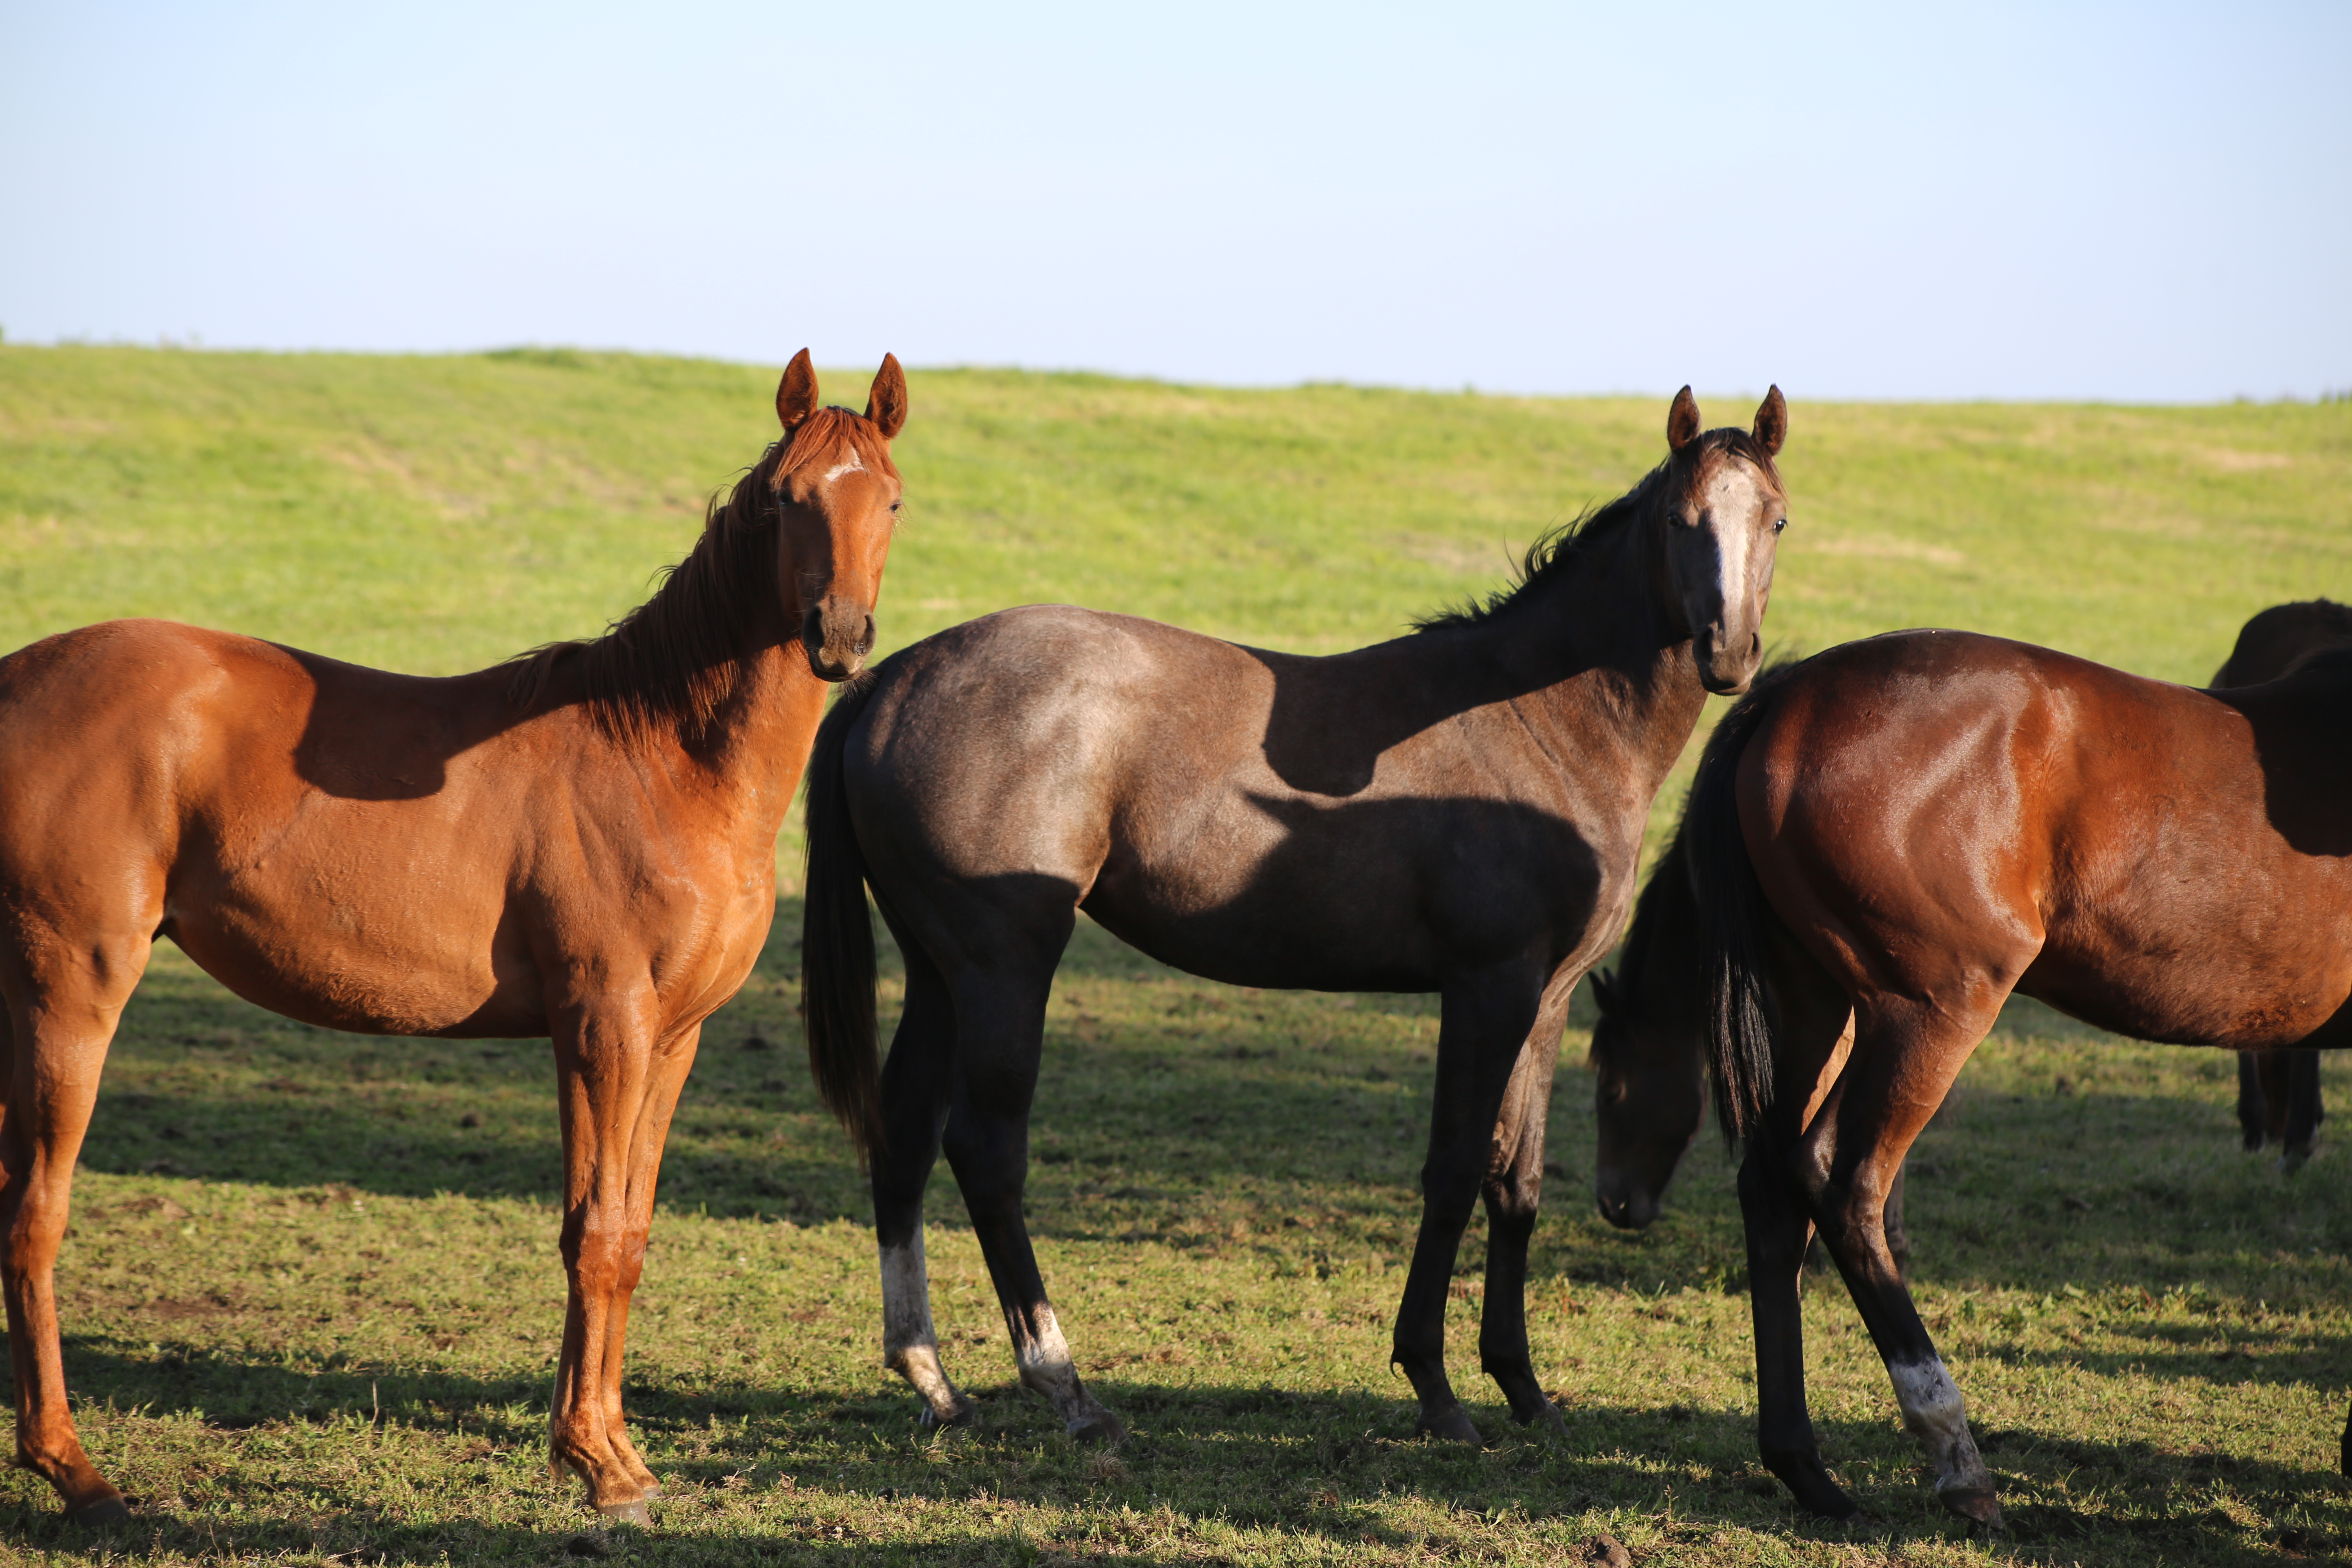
(1723, 672)
(837, 636)
(1626, 1204)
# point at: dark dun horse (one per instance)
(1649, 1044)
(2278, 1091)
(1456, 810)
(1890, 838)
(578, 844)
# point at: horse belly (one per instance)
(1292, 949)
(2232, 987)
(418, 960)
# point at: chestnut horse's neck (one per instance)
(708, 674)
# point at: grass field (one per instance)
(311, 1294)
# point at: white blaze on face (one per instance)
(849, 465)
(1733, 500)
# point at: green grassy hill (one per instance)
(439, 513)
(311, 1301)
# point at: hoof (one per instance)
(2294, 1160)
(1546, 1417)
(1101, 1427)
(100, 1512)
(1450, 1425)
(931, 1419)
(1977, 1505)
(634, 1511)
(1809, 1482)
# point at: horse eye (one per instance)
(894, 505)
(1780, 526)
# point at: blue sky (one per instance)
(1887, 201)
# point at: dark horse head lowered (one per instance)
(1458, 811)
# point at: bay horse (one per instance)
(1456, 810)
(577, 843)
(1890, 838)
(1649, 1043)
(2279, 1100)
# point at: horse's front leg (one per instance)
(1514, 1191)
(616, 1097)
(2304, 1110)
(1808, 1052)
(1485, 1024)
(665, 1081)
(1772, 1211)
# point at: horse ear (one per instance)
(1682, 420)
(887, 404)
(1772, 422)
(796, 394)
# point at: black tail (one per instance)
(838, 940)
(1733, 916)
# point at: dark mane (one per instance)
(674, 658)
(1655, 906)
(1556, 549)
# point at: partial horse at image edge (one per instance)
(1891, 838)
(1649, 1043)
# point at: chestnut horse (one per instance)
(1456, 810)
(578, 844)
(1890, 838)
(1649, 1044)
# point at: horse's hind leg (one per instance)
(56, 1047)
(1898, 1231)
(1481, 1040)
(1514, 1191)
(918, 1082)
(1906, 1056)
(1000, 1022)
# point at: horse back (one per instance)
(434, 846)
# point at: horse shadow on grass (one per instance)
(1312, 1464)
(202, 1084)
